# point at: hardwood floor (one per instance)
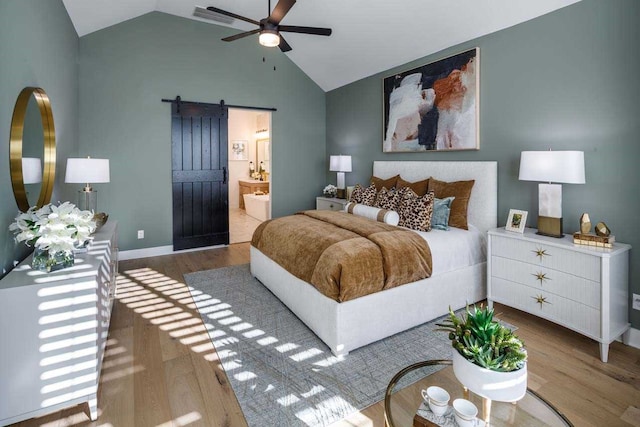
(160, 368)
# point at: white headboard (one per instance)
(483, 204)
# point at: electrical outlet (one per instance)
(140, 234)
(636, 302)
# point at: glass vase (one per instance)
(43, 260)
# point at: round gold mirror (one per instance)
(32, 146)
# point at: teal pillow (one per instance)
(441, 211)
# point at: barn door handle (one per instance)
(224, 175)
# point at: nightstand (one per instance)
(330, 203)
(583, 288)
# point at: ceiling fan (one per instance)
(270, 27)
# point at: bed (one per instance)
(346, 326)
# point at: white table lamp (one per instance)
(31, 170)
(340, 164)
(555, 168)
(87, 171)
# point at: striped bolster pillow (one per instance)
(376, 214)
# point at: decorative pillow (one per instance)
(356, 194)
(369, 195)
(420, 187)
(416, 211)
(441, 211)
(388, 183)
(387, 199)
(376, 214)
(461, 190)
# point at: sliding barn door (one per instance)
(200, 187)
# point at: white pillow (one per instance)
(376, 214)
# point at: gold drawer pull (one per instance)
(540, 276)
(331, 206)
(541, 300)
(540, 253)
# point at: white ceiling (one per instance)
(369, 36)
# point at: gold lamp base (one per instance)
(342, 193)
(549, 226)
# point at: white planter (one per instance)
(498, 386)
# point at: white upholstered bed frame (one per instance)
(352, 324)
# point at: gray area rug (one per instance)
(281, 373)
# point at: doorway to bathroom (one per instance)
(249, 140)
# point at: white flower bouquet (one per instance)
(330, 191)
(54, 231)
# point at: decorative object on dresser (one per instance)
(602, 238)
(585, 223)
(516, 221)
(340, 164)
(87, 171)
(330, 203)
(602, 229)
(54, 231)
(582, 288)
(434, 106)
(559, 167)
(56, 328)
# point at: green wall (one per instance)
(38, 47)
(566, 81)
(125, 71)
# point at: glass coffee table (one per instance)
(404, 406)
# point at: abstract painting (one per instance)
(433, 107)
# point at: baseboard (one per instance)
(158, 251)
(634, 337)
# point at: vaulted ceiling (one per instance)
(369, 36)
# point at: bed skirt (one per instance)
(355, 323)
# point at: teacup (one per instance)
(465, 413)
(437, 398)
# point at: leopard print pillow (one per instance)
(369, 195)
(356, 194)
(387, 199)
(416, 211)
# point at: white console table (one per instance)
(53, 331)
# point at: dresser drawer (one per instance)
(563, 311)
(548, 280)
(329, 205)
(540, 254)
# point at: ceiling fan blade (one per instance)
(233, 15)
(281, 9)
(284, 46)
(305, 30)
(241, 35)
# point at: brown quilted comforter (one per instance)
(344, 256)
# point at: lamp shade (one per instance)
(340, 163)
(564, 167)
(31, 170)
(87, 170)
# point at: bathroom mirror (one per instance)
(32, 139)
(262, 154)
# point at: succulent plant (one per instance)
(483, 341)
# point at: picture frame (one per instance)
(433, 107)
(238, 150)
(516, 221)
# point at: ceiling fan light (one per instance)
(269, 38)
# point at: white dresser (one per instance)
(53, 331)
(330, 203)
(580, 287)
